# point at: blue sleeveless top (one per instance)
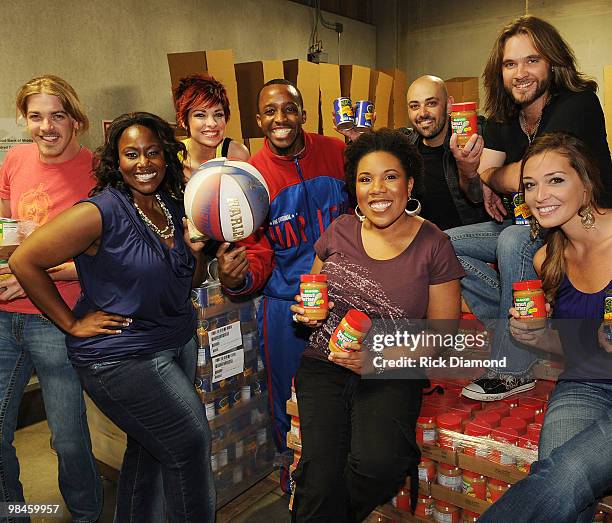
(134, 274)
(577, 315)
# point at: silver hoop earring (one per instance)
(413, 212)
(360, 217)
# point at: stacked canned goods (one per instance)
(233, 396)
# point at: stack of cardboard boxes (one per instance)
(320, 85)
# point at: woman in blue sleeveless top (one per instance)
(574, 467)
(130, 336)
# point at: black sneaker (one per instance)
(493, 386)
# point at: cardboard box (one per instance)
(463, 89)
(459, 499)
(355, 82)
(292, 408)
(251, 77)
(254, 145)
(439, 454)
(305, 75)
(329, 86)
(381, 87)
(607, 97)
(390, 513)
(398, 108)
(490, 469)
(107, 440)
(220, 65)
(293, 442)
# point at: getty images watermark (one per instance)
(392, 350)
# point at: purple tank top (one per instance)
(577, 316)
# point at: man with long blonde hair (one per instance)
(37, 182)
(532, 86)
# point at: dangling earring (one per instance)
(586, 217)
(360, 217)
(535, 228)
(416, 211)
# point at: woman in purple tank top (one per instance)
(574, 467)
(130, 337)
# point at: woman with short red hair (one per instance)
(202, 109)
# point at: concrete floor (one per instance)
(261, 504)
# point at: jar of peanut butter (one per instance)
(353, 328)
(450, 476)
(530, 302)
(464, 121)
(424, 507)
(474, 484)
(313, 291)
(496, 489)
(444, 512)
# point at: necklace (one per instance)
(168, 231)
(523, 123)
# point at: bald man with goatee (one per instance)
(451, 197)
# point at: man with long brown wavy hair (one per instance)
(532, 86)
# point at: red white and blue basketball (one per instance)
(227, 200)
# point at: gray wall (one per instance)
(114, 51)
(449, 38)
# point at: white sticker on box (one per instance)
(228, 365)
(225, 338)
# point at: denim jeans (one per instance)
(358, 442)
(574, 468)
(489, 292)
(153, 400)
(28, 342)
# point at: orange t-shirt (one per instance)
(40, 191)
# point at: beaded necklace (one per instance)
(165, 233)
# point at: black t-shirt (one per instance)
(577, 113)
(438, 205)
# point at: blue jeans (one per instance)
(153, 400)
(574, 468)
(28, 342)
(489, 292)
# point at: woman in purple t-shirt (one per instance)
(358, 435)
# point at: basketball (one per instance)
(226, 200)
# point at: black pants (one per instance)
(358, 442)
